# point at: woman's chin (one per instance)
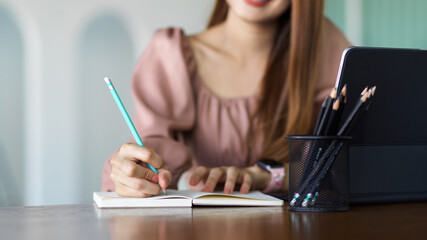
(256, 17)
(258, 3)
(258, 11)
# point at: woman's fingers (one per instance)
(138, 153)
(133, 180)
(134, 170)
(165, 177)
(198, 174)
(246, 183)
(230, 182)
(215, 175)
(126, 191)
(228, 175)
(136, 184)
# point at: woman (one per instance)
(210, 105)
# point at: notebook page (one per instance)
(254, 198)
(256, 195)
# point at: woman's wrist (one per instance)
(261, 178)
(276, 180)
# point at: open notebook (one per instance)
(185, 198)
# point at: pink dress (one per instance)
(180, 118)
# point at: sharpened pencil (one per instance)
(360, 113)
(126, 116)
(333, 118)
(344, 128)
(322, 111)
(325, 117)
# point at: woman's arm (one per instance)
(164, 108)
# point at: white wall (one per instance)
(69, 124)
(11, 120)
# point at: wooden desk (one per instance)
(394, 221)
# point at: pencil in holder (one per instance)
(318, 173)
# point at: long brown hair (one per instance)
(288, 85)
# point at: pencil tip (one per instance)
(325, 101)
(373, 90)
(336, 104)
(344, 90)
(364, 91)
(365, 97)
(333, 93)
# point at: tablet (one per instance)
(388, 152)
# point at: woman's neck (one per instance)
(245, 39)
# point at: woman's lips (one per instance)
(257, 3)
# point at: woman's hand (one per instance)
(131, 178)
(248, 178)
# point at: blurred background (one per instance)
(58, 121)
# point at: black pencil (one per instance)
(321, 112)
(358, 116)
(342, 105)
(333, 118)
(344, 94)
(325, 117)
(370, 98)
(344, 128)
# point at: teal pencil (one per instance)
(126, 117)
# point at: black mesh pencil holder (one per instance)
(318, 173)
